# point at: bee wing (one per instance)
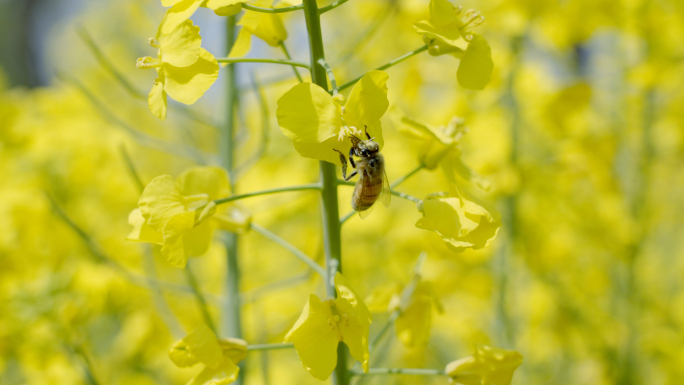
(386, 193)
(364, 214)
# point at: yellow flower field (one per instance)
(209, 192)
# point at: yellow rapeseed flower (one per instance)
(462, 220)
(318, 123)
(415, 317)
(447, 33)
(182, 10)
(169, 213)
(487, 366)
(324, 324)
(266, 26)
(441, 148)
(219, 356)
(185, 70)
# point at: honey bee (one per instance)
(372, 183)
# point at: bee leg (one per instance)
(351, 157)
(344, 166)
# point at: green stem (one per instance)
(387, 371)
(272, 61)
(272, 10)
(311, 186)
(289, 247)
(404, 178)
(287, 55)
(270, 346)
(201, 301)
(330, 211)
(254, 295)
(388, 65)
(329, 72)
(331, 6)
(231, 309)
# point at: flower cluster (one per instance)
(462, 220)
(185, 70)
(219, 356)
(324, 324)
(180, 215)
(447, 32)
(319, 123)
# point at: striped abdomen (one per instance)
(369, 185)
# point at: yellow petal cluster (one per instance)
(318, 124)
(324, 324)
(448, 33)
(182, 10)
(185, 70)
(266, 26)
(487, 366)
(413, 324)
(180, 215)
(219, 356)
(462, 220)
(441, 147)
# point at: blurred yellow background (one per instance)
(580, 132)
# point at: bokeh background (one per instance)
(580, 131)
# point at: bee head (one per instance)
(369, 146)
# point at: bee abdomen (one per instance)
(365, 195)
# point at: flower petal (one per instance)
(308, 115)
(266, 26)
(476, 65)
(180, 12)
(187, 84)
(156, 100)
(142, 232)
(181, 47)
(442, 12)
(225, 374)
(210, 180)
(160, 201)
(345, 291)
(203, 345)
(242, 44)
(354, 328)
(176, 248)
(315, 339)
(413, 325)
(367, 103)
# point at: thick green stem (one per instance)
(330, 210)
(272, 61)
(231, 322)
(388, 65)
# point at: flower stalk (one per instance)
(388, 65)
(231, 321)
(330, 210)
(272, 61)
